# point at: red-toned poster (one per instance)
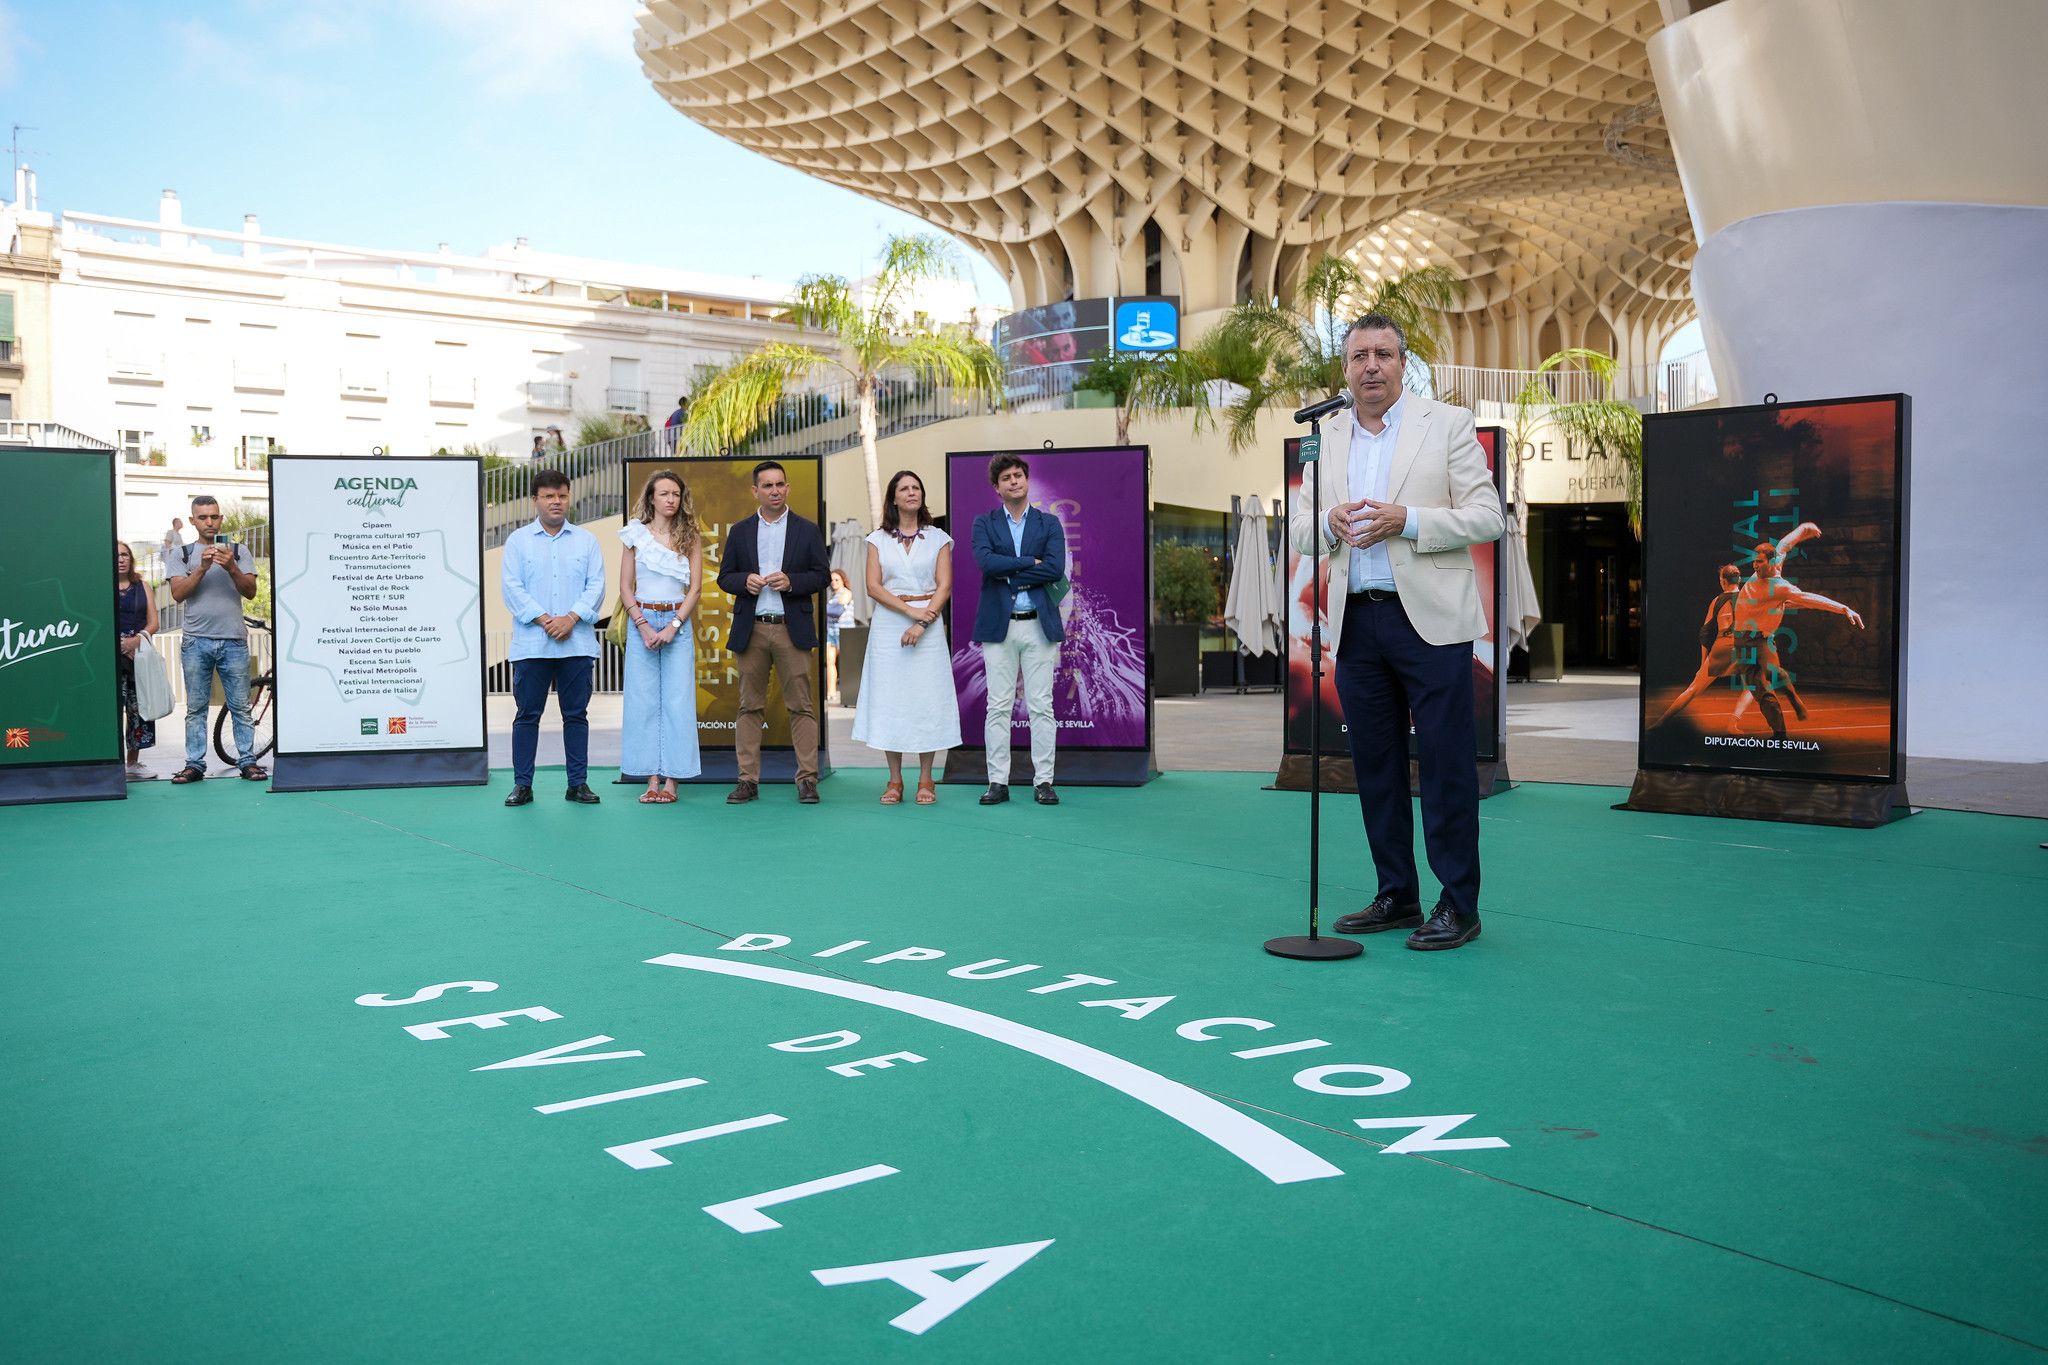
(1489, 676)
(1773, 565)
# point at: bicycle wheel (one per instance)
(262, 719)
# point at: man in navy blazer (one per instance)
(1021, 552)
(774, 565)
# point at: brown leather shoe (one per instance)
(742, 793)
(806, 792)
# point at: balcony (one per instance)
(10, 356)
(626, 400)
(548, 395)
(373, 386)
(451, 391)
(135, 367)
(259, 376)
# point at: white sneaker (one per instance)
(138, 773)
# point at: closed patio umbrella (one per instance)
(1251, 606)
(850, 557)
(1518, 589)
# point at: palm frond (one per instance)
(908, 259)
(825, 303)
(965, 362)
(746, 394)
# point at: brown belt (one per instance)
(915, 596)
(661, 606)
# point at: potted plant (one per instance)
(1183, 601)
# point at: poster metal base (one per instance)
(1338, 776)
(1071, 767)
(366, 772)
(64, 782)
(722, 767)
(1752, 796)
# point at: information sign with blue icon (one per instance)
(1151, 323)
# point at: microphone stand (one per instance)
(1314, 947)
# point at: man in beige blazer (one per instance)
(1404, 493)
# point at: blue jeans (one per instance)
(571, 680)
(201, 658)
(659, 735)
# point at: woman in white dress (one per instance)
(661, 572)
(907, 704)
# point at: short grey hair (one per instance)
(1378, 322)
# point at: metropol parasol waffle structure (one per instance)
(1517, 141)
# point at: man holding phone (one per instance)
(212, 577)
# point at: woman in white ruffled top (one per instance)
(907, 704)
(660, 573)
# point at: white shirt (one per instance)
(768, 542)
(1023, 602)
(1372, 459)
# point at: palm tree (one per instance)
(1305, 340)
(1601, 423)
(871, 336)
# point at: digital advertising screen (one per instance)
(1773, 571)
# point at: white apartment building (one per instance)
(198, 352)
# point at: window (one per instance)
(255, 452)
(6, 407)
(135, 444)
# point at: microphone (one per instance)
(1316, 411)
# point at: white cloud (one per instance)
(14, 44)
(533, 45)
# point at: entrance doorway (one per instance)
(1589, 571)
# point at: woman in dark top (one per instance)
(135, 616)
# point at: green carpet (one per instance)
(1768, 1091)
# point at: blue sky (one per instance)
(406, 123)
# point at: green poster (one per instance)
(58, 702)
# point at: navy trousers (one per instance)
(571, 680)
(1385, 674)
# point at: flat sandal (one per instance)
(892, 795)
(927, 794)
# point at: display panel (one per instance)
(722, 489)
(378, 566)
(59, 702)
(1773, 549)
(1100, 692)
(1489, 676)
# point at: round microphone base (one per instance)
(1306, 949)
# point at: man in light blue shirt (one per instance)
(553, 582)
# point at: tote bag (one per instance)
(152, 681)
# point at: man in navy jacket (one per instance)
(774, 565)
(1022, 552)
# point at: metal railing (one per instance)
(1680, 383)
(18, 432)
(626, 400)
(7, 345)
(818, 422)
(548, 395)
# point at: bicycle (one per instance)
(262, 713)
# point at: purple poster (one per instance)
(1099, 496)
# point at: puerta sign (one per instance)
(58, 698)
(378, 567)
(1099, 691)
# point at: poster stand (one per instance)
(718, 484)
(1829, 477)
(1063, 476)
(59, 703)
(383, 601)
(1492, 757)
